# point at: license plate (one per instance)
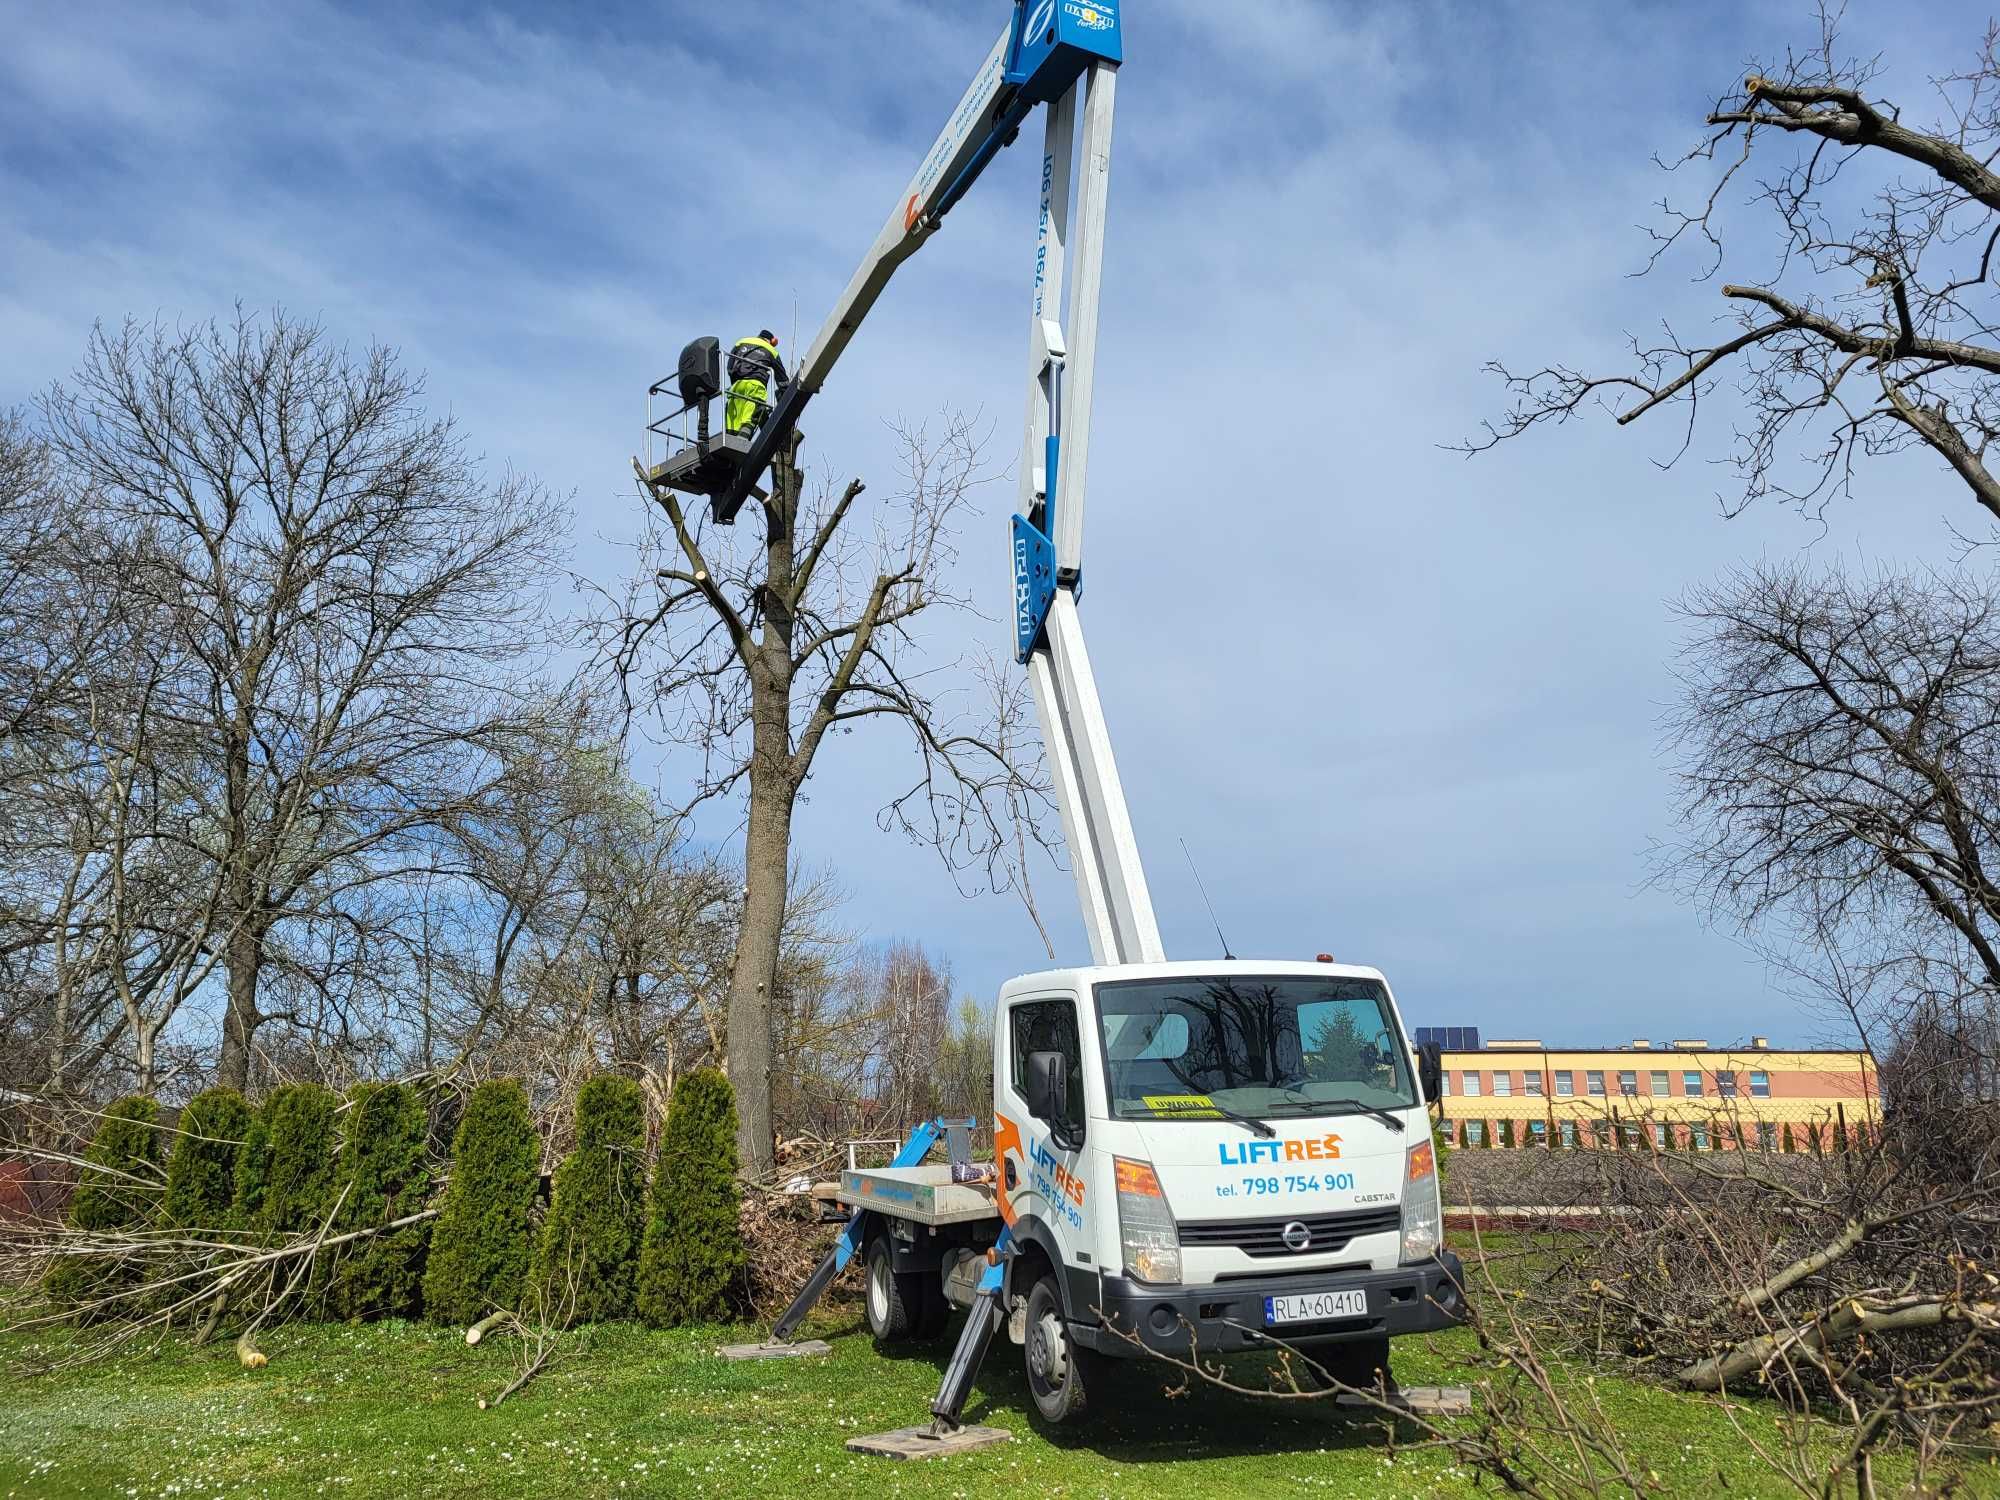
(1315, 1307)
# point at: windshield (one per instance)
(1201, 1048)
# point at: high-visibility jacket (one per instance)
(753, 358)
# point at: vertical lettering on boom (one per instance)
(1042, 228)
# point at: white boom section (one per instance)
(1104, 855)
(1081, 325)
(911, 222)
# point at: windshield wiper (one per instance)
(1249, 1122)
(1393, 1121)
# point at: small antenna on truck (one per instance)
(1206, 902)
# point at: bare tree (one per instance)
(1869, 330)
(755, 653)
(1840, 774)
(347, 605)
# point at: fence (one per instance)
(1682, 1125)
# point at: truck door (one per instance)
(1042, 1182)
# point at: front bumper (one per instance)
(1227, 1317)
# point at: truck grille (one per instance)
(1267, 1236)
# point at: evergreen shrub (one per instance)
(118, 1189)
(296, 1154)
(586, 1263)
(201, 1174)
(379, 1176)
(480, 1247)
(692, 1266)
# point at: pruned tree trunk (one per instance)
(767, 839)
(764, 653)
(767, 852)
(240, 1016)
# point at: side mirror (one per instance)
(1048, 1097)
(1430, 1070)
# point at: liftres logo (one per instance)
(1249, 1153)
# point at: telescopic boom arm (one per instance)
(1065, 54)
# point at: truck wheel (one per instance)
(1357, 1363)
(1059, 1371)
(892, 1315)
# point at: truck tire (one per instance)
(1060, 1372)
(1357, 1363)
(887, 1298)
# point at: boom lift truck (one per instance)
(1211, 1154)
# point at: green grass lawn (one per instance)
(391, 1410)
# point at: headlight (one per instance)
(1146, 1229)
(1423, 1215)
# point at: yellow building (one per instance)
(1683, 1094)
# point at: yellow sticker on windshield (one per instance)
(1179, 1104)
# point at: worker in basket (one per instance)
(754, 370)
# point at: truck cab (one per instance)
(1211, 1156)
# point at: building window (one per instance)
(1569, 1134)
(1660, 1087)
(1503, 1084)
(1691, 1084)
(1594, 1080)
(1471, 1084)
(1760, 1085)
(1444, 1082)
(1475, 1132)
(1698, 1137)
(1660, 1135)
(1565, 1083)
(1767, 1136)
(1600, 1130)
(1538, 1132)
(1532, 1082)
(1628, 1083)
(1725, 1083)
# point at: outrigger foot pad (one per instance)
(934, 1441)
(775, 1351)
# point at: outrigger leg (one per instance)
(947, 1434)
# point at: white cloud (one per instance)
(1400, 705)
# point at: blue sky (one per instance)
(1404, 708)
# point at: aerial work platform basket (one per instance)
(700, 462)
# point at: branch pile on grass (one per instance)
(196, 1279)
(1860, 1284)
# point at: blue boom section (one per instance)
(1054, 40)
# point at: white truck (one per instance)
(1205, 1156)
(1215, 1155)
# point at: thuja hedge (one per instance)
(692, 1265)
(201, 1173)
(301, 1164)
(380, 1176)
(480, 1247)
(586, 1261)
(118, 1189)
(285, 1171)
